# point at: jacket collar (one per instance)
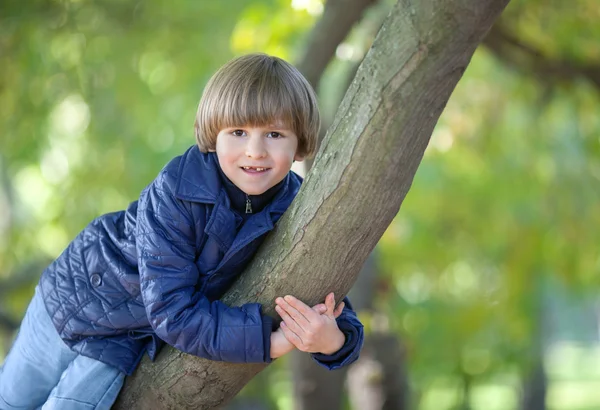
(198, 177)
(198, 180)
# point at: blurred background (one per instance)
(483, 292)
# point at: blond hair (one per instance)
(258, 89)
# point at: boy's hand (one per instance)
(308, 330)
(280, 345)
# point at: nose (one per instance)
(255, 147)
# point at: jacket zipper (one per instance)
(248, 205)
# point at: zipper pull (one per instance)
(248, 205)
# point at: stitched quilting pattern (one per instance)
(183, 235)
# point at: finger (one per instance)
(293, 312)
(292, 337)
(339, 310)
(302, 308)
(294, 327)
(330, 303)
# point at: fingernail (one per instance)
(288, 298)
(283, 324)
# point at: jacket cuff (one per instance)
(267, 327)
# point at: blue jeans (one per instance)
(41, 372)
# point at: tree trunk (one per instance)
(535, 387)
(465, 393)
(535, 383)
(379, 379)
(360, 177)
(314, 387)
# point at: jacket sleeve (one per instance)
(353, 330)
(178, 313)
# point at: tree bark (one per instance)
(375, 143)
(314, 387)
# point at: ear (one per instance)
(298, 157)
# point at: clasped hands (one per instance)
(312, 330)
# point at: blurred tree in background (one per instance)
(489, 272)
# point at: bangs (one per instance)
(265, 101)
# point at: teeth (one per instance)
(257, 169)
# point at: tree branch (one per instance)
(524, 57)
(338, 18)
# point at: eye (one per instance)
(274, 134)
(238, 133)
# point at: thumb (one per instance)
(330, 303)
(339, 310)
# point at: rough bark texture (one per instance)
(361, 175)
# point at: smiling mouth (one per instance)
(255, 169)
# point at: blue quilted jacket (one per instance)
(153, 273)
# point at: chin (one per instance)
(255, 191)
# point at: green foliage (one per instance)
(498, 231)
(97, 97)
(502, 215)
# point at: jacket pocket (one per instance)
(105, 284)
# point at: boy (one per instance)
(135, 279)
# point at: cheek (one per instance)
(285, 158)
(286, 153)
(225, 149)
(221, 142)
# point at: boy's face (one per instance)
(256, 158)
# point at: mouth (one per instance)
(255, 170)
